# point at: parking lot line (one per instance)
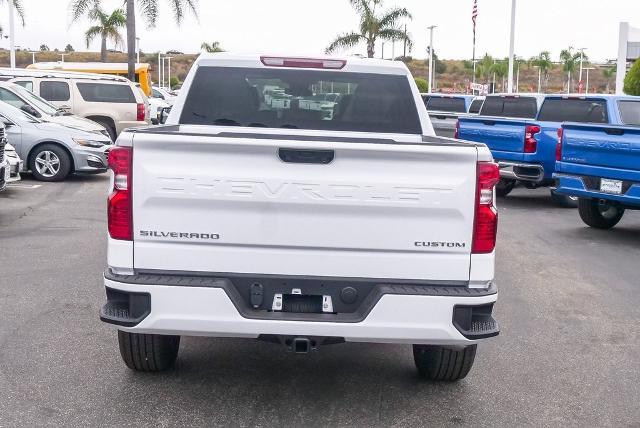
(24, 186)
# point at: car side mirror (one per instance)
(164, 115)
(30, 110)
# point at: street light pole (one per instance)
(512, 41)
(12, 36)
(169, 70)
(539, 78)
(33, 57)
(587, 69)
(581, 61)
(431, 28)
(138, 50)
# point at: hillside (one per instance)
(454, 78)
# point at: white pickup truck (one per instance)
(240, 219)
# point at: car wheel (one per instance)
(599, 214)
(563, 200)
(505, 186)
(148, 352)
(50, 162)
(443, 363)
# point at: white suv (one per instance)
(111, 101)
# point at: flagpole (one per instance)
(474, 17)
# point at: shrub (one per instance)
(632, 80)
(423, 86)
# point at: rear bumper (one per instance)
(521, 171)
(208, 307)
(588, 187)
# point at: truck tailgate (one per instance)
(500, 135)
(608, 146)
(237, 203)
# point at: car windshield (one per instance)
(301, 99)
(35, 100)
(17, 115)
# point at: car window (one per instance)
(106, 93)
(156, 94)
(27, 84)
(630, 112)
(574, 110)
(512, 107)
(55, 91)
(10, 98)
(475, 106)
(453, 105)
(37, 101)
(297, 99)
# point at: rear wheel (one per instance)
(599, 214)
(49, 162)
(505, 186)
(563, 200)
(442, 363)
(148, 352)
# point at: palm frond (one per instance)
(395, 35)
(149, 11)
(345, 41)
(19, 7)
(390, 19)
(79, 8)
(180, 6)
(92, 33)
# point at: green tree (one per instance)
(544, 63)
(570, 61)
(500, 70)
(107, 28)
(632, 80)
(211, 47)
(44, 47)
(148, 9)
(69, 48)
(373, 27)
(422, 84)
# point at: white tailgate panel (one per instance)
(359, 216)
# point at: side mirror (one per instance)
(30, 110)
(164, 115)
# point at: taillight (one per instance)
(119, 209)
(142, 113)
(485, 225)
(456, 134)
(333, 64)
(530, 142)
(559, 145)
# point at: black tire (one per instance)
(54, 153)
(599, 215)
(109, 127)
(442, 363)
(148, 352)
(505, 186)
(564, 201)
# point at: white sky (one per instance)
(307, 26)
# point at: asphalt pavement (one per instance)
(568, 354)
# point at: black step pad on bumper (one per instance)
(475, 322)
(125, 309)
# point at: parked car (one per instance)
(52, 151)
(22, 98)
(600, 164)
(5, 169)
(444, 111)
(15, 163)
(111, 101)
(307, 231)
(525, 147)
(163, 94)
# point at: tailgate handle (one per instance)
(613, 131)
(489, 122)
(308, 156)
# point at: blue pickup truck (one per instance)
(445, 109)
(526, 148)
(601, 166)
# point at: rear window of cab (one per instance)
(579, 110)
(446, 104)
(629, 112)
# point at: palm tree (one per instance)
(108, 29)
(373, 27)
(18, 6)
(500, 69)
(608, 73)
(149, 11)
(544, 63)
(569, 60)
(211, 47)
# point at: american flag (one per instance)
(474, 15)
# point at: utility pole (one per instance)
(404, 52)
(587, 69)
(431, 56)
(512, 40)
(12, 35)
(159, 69)
(539, 77)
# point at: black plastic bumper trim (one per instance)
(379, 289)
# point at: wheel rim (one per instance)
(47, 164)
(607, 211)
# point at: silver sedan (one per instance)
(53, 151)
